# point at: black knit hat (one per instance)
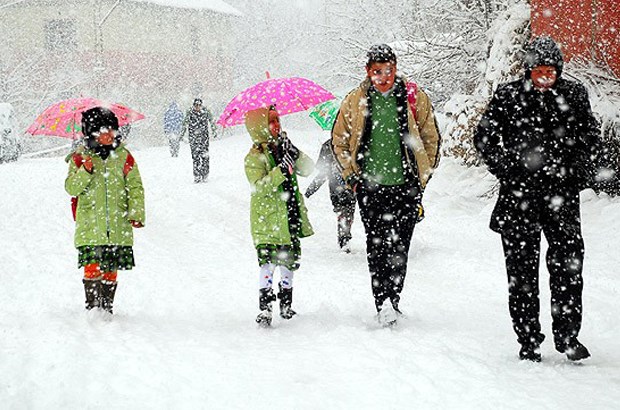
(380, 53)
(543, 51)
(96, 118)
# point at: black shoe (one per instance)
(265, 297)
(573, 348)
(530, 352)
(286, 300)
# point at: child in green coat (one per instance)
(108, 203)
(278, 216)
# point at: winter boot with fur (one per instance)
(108, 289)
(286, 300)
(92, 289)
(265, 297)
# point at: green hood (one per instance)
(257, 124)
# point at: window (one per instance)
(60, 35)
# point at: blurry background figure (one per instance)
(124, 131)
(199, 124)
(342, 198)
(173, 122)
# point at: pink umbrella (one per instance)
(64, 118)
(289, 95)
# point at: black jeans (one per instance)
(389, 216)
(521, 243)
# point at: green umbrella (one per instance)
(325, 113)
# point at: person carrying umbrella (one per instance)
(343, 199)
(173, 123)
(386, 141)
(109, 202)
(200, 126)
(278, 216)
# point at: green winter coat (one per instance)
(107, 199)
(268, 211)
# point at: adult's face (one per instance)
(544, 76)
(197, 107)
(382, 75)
(274, 123)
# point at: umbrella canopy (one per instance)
(64, 118)
(289, 95)
(325, 113)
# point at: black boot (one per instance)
(108, 289)
(286, 300)
(574, 350)
(530, 350)
(265, 297)
(92, 289)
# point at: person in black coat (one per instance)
(539, 137)
(200, 126)
(343, 199)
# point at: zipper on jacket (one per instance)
(107, 210)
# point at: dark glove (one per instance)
(289, 148)
(352, 181)
(287, 163)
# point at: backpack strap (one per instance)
(412, 95)
(129, 163)
(78, 160)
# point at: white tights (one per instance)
(265, 280)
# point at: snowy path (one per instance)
(183, 334)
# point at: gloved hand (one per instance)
(88, 164)
(352, 181)
(136, 224)
(288, 147)
(287, 163)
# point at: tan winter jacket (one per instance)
(347, 132)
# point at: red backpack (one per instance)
(78, 160)
(412, 95)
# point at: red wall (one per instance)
(588, 29)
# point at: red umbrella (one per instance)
(64, 118)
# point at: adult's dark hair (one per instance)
(380, 53)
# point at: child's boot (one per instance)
(265, 297)
(286, 300)
(108, 289)
(92, 289)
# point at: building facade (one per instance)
(142, 53)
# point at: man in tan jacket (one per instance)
(386, 142)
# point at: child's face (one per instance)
(105, 136)
(274, 123)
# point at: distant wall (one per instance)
(586, 29)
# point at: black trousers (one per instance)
(561, 225)
(199, 146)
(389, 216)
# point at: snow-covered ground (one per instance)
(183, 335)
